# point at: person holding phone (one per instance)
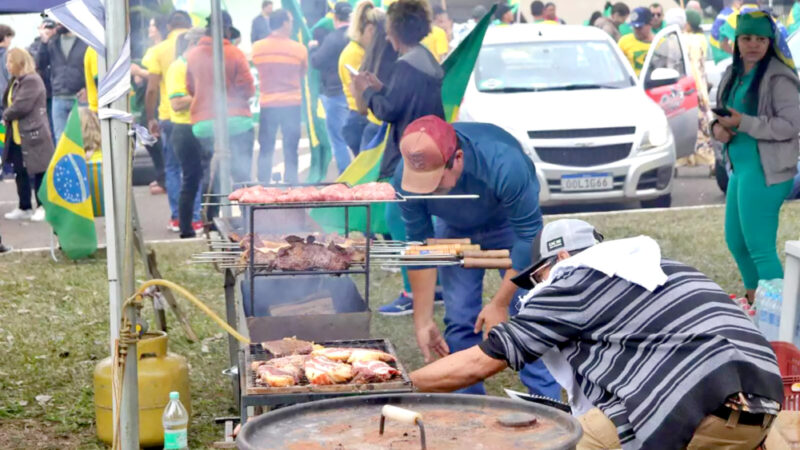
(759, 127)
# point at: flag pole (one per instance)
(118, 201)
(221, 140)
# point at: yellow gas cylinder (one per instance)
(160, 373)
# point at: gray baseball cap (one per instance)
(565, 234)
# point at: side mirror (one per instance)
(661, 77)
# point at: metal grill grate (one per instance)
(256, 353)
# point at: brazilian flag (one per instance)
(65, 193)
(2, 134)
(365, 167)
(313, 113)
(459, 65)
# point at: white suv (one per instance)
(569, 95)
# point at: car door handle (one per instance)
(690, 91)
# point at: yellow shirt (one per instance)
(352, 55)
(635, 50)
(176, 87)
(157, 60)
(90, 75)
(436, 42)
(14, 123)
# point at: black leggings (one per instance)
(22, 178)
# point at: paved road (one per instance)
(692, 187)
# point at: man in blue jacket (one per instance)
(469, 158)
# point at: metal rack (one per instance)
(252, 271)
(255, 395)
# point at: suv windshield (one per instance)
(548, 66)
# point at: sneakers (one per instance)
(38, 215)
(5, 248)
(403, 305)
(172, 225)
(198, 225)
(19, 214)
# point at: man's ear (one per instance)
(562, 255)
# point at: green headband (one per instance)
(756, 23)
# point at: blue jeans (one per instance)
(370, 130)
(463, 301)
(172, 170)
(335, 118)
(194, 170)
(288, 120)
(353, 130)
(62, 106)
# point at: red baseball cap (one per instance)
(427, 144)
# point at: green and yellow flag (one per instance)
(65, 193)
(2, 133)
(312, 107)
(459, 65)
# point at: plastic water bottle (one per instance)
(175, 420)
(776, 292)
(761, 306)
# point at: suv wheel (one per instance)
(665, 201)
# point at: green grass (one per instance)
(54, 325)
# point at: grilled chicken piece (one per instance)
(334, 353)
(287, 346)
(322, 371)
(366, 354)
(275, 377)
(373, 372)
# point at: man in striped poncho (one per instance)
(661, 355)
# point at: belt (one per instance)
(745, 418)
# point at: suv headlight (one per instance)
(656, 134)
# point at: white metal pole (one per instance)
(221, 138)
(117, 192)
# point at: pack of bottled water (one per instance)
(768, 304)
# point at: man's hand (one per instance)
(313, 44)
(431, 342)
(82, 97)
(155, 129)
(361, 82)
(490, 316)
(374, 82)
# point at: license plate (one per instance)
(587, 182)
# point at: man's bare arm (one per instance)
(457, 371)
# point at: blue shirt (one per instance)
(497, 169)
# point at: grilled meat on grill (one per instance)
(374, 191)
(288, 346)
(297, 254)
(373, 372)
(321, 371)
(366, 354)
(333, 353)
(275, 377)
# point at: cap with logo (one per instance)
(640, 17)
(48, 23)
(566, 234)
(426, 146)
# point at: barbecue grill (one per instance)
(258, 395)
(440, 421)
(349, 323)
